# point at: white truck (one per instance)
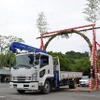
(36, 70)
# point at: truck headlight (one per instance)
(14, 78)
(28, 78)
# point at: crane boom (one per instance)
(17, 45)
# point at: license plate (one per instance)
(20, 86)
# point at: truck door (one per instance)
(44, 69)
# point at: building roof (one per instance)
(4, 72)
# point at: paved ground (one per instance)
(7, 93)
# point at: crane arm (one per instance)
(17, 45)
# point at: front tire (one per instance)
(47, 87)
(21, 91)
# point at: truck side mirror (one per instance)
(31, 62)
(31, 58)
(37, 56)
(36, 62)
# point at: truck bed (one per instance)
(70, 75)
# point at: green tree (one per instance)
(5, 42)
(78, 61)
(5, 54)
(92, 10)
(42, 23)
(2, 43)
(99, 56)
(64, 62)
(76, 55)
(4, 58)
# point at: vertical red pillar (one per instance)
(91, 68)
(95, 58)
(91, 79)
(96, 75)
(42, 44)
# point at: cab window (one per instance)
(44, 60)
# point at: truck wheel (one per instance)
(21, 91)
(47, 87)
(72, 85)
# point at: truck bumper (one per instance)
(25, 86)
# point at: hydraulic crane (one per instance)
(17, 45)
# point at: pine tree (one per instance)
(92, 10)
(42, 23)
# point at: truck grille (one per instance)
(21, 78)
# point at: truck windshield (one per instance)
(26, 60)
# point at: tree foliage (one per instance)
(78, 61)
(99, 56)
(4, 58)
(76, 55)
(64, 62)
(5, 54)
(92, 10)
(42, 23)
(5, 42)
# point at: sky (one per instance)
(18, 18)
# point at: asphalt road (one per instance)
(7, 93)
